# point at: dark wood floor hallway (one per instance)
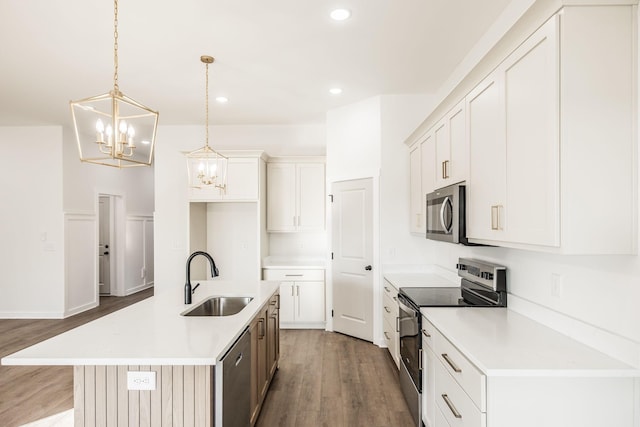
(329, 379)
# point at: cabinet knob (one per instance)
(368, 268)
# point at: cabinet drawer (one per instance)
(293, 275)
(389, 309)
(456, 406)
(389, 290)
(428, 333)
(464, 372)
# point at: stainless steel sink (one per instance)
(219, 306)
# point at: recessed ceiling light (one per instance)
(222, 99)
(340, 14)
(335, 91)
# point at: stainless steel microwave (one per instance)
(446, 214)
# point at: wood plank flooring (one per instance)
(329, 379)
(29, 393)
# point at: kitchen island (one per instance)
(183, 353)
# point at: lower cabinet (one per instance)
(302, 299)
(390, 320)
(265, 352)
(534, 391)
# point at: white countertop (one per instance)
(419, 280)
(152, 332)
(293, 263)
(501, 342)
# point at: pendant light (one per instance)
(206, 167)
(113, 129)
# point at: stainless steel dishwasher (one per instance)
(236, 383)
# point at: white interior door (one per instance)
(352, 228)
(104, 247)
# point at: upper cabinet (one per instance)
(295, 196)
(550, 134)
(551, 131)
(513, 136)
(243, 182)
(451, 148)
(422, 180)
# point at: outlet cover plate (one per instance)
(141, 380)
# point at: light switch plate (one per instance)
(141, 380)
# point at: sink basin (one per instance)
(219, 306)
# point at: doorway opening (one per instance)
(110, 251)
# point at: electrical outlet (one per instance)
(557, 285)
(141, 380)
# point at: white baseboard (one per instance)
(80, 309)
(137, 289)
(31, 315)
(284, 325)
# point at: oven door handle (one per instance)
(406, 308)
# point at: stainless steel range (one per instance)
(482, 284)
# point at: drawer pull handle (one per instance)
(387, 309)
(447, 359)
(294, 275)
(452, 408)
(387, 336)
(425, 333)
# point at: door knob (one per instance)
(368, 268)
(106, 253)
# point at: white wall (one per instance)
(365, 140)
(132, 247)
(171, 201)
(31, 222)
(400, 114)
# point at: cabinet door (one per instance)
(263, 377)
(416, 220)
(242, 179)
(281, 197)
(429, 408)
(273, 336)
(487, 168)
(458, 166)
(532, 133)
(311, 196)
(310, 297)
(443, 153)
(428, 168)
(287, 302)
(255, 391)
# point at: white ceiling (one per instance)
(275, 60)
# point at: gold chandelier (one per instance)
(206, 167)
(113, 129)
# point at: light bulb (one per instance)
(123, 126)
(109, 130)
(131, 132)
(201, 167)
(99, 126)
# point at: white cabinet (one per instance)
(243, 182)
(295, 197)
(428, 375)
(513, 134)
(507, 370)
(302, 297)
(551, 131)
(417, 220)
(451, 147)
(390, 320)
(422, 180)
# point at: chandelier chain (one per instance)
(207, 106)
(115, 46)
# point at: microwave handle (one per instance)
(445, 202)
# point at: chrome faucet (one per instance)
(187, 286)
